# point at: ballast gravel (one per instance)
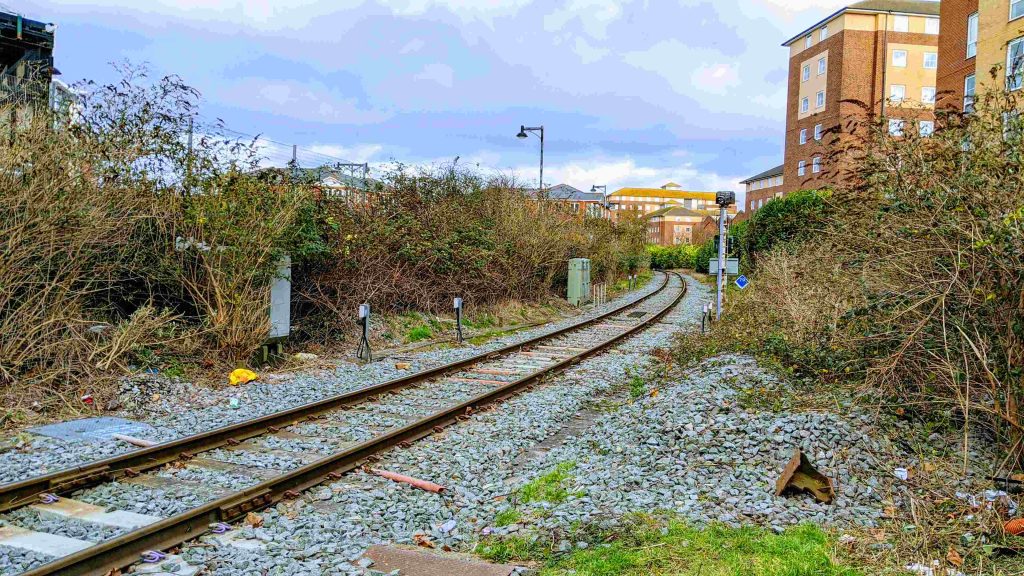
(176, 408)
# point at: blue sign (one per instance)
(742, 282)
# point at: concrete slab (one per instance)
(41, 542)
(68, 508)
(416, 562)
(93, 429)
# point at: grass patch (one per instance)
(507, 517)
(511, 549)
(652, 548)
(419, 333)
(637, 387)
(550, 487)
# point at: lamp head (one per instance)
(522, 132)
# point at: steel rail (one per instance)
(24, 492)
(126, 549)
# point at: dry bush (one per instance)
(431, 235)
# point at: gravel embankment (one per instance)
(328, 529)
(176, 408)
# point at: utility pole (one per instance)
(724, 200)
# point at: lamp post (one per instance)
(539, 130)
(604, 197)
(724, 200)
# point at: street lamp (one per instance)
(536, 130)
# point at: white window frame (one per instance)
(1019, 5)
(805, 104)
(899, 89)
(801, 168)
(1014, 79)
(969, 81)
(972, 35)
(926, 128)
(803, 136)
(896, 126)
(934, 56)
(816, 164)
(928, 95)
(895, 62)
(808, 42)
(932, 26)
(818, 132)
(900, 23)
(805, 73)
(823, 33)
(819, 99)
(822, 66)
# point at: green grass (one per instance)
(507, 517)
(637, 387)
(549, 487)
(419, 333)
(651, 548)
(511, 549)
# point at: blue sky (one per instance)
(632, 93)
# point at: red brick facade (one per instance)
(854, 93)
(954, 65)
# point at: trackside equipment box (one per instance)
(579, 281)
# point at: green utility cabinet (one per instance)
(579, 281)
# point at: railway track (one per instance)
(275, 457)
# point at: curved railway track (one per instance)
(308, 445)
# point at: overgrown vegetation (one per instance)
(128, 244)
(904, 287)
(673, 257)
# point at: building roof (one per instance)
(911, 7)
(569, 193)
(670, 190)
(679, 211)
(777, 171)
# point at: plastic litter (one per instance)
(241, 376)
(902, 474)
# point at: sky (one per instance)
(630, 92)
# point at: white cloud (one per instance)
(588, 54)
(594, 15)
(358, 153)
(626, 172)
(299, 100)
(438, 73)
(717, 78)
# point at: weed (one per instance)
(548, 487)
(419, 333)
(511, 548)
(507, 517)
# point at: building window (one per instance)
(817, 132)
(803, 136)
(1015, 64)
(801, 168)
(931, 60)
(807, 42)
(896, 127)
(927, 128)
(931, 26)
(816, 164)
(969, 94)
(899, 58)
(804, 105)
(819, 101)
(1016, 9)
(897, 93)
(805, 75)
(972, 35)
(901, 23)
(928, 95)
(821, 65)
(824, 34)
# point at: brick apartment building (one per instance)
(674, 225)
(640, 202)
(873, 58)
(977, 37)
(764, 187)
